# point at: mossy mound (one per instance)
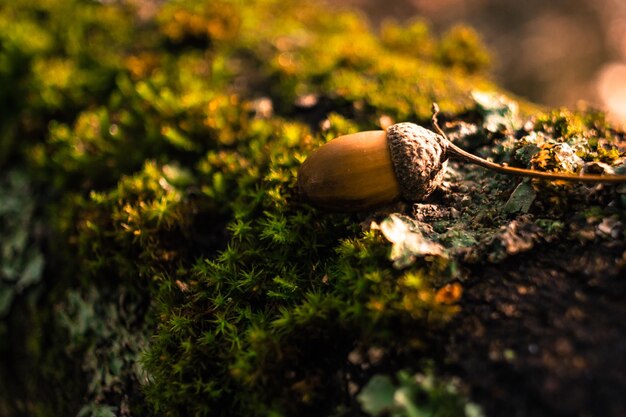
(183, 275)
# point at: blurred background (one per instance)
(559, 52)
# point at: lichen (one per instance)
(413, 396)
(20, 255)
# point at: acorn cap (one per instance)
(419, 159)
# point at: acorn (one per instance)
(369, 169)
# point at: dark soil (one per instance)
(544, 333)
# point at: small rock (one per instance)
(612, 227)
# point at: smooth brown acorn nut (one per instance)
(369, 169)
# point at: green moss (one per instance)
(561, 124)
(57, 57)
(411, 39)
(461, 47)
(564, 141)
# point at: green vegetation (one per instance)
(381, 396)
(161, 262)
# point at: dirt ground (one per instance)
(543, 334)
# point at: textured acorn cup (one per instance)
(369, 169)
